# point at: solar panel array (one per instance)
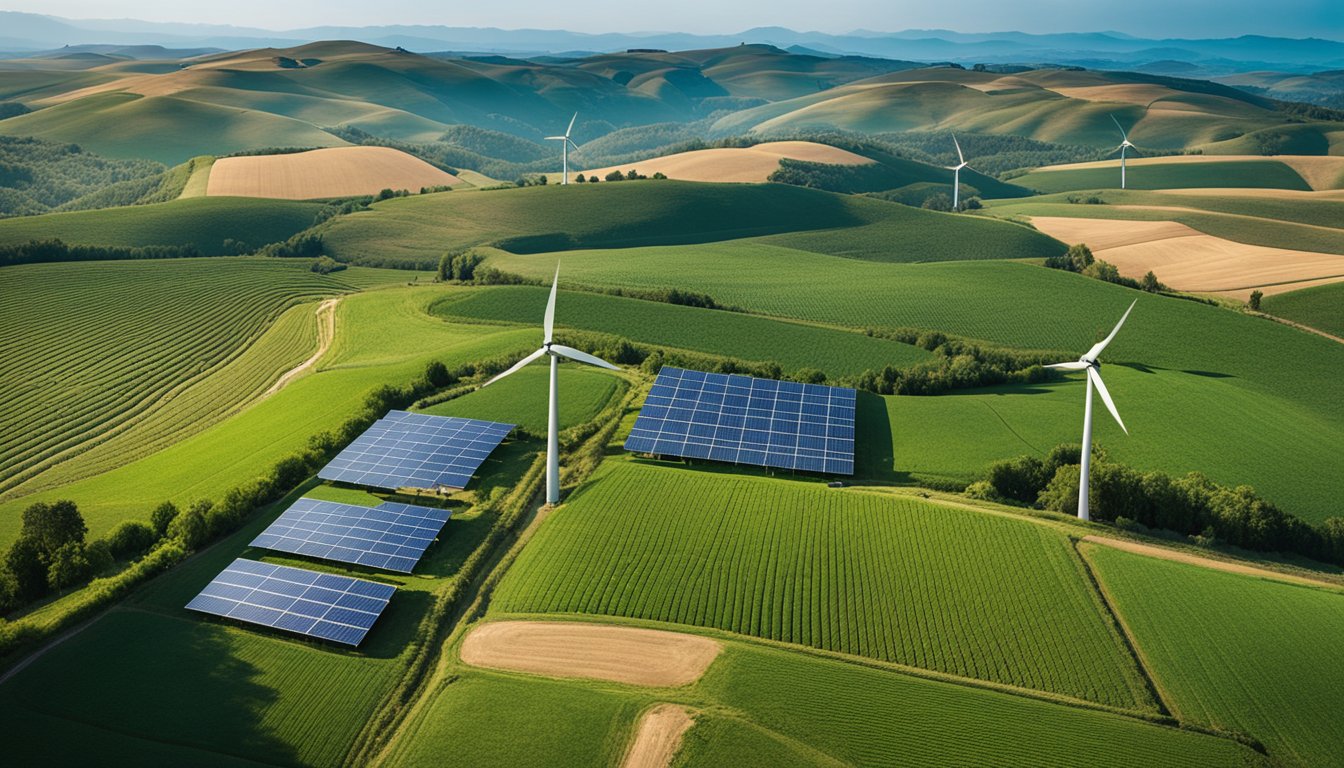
(390, 536)
(323, 605)
(416, 450)
(745, 420)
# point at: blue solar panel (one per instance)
(336, 608)
(390, 536)
(416, 450)
(744, 420)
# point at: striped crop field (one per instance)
(733, 334)
(94, 348)
(1238, 653)
(897, 580)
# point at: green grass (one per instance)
(205, 222)
(534, 219)
(1238, 653)
(382, 337)
(1321, 307)
(1260, 174)
(1316, 212)
(892, 579)
(99, 347)
(522, 398)
(733, 334)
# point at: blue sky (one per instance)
(1144, 18)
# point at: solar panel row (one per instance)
(323, 605)
(416, 450)
(745, 420)
(390, 536)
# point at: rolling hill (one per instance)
(739, 164)
(323, 173)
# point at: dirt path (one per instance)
(1177, 556)
(326, 331)
(658, 738)
(579, 649)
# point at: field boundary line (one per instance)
(1299, 326)
(1177, 556)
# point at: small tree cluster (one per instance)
(459, 265)
(1076, 259)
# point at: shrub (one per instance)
(325, 265)
(1076, 259)
(131, 539)
(161, 517)
(982, 490)
(659, 175)
(1020, 479)
(938, 202)
(100, 558)
(580, 179)
(1061, 493)
(69, 566)
(1254, 302)
(189, 528)
(615, 176)
(24, 562)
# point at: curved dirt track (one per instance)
(658, 737)
(322, 173)
(1177, 556)
(598, 651)
(736, 164)
(326, 331)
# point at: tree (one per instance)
(24, 562)
(130, 539)
(1020, 479)
(938, 202)
(161, 517)
(580, 179)
(52, 525)
(189, 527)
(1149, 283)
(615, 176)
(659, 175)
(1061, 493)
(69, 566)
(1254, 303)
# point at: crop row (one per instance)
(896, 580)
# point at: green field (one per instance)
(1259, 174)
(1238, 653)
(99, 347)
(1321, 307)
(732, 334)
(536, 219)
(522, 398)
(892, 579)
(205, 222)
(1311, 211)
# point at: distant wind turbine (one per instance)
(1088, 362)
(565, 144)
(555, 351)
(1124, 145)
(956, 175)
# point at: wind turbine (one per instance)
(956, 175)
(1123, 146)
(565, 144)
(1088, 362)
(555, 352)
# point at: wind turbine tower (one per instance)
(956, 175)
(555, 351)
(1124, 145)
(1088, 362)
(565, 144)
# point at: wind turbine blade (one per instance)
(1100, 345)
(572, 144)
(960, 158)
(550, 307)
(1122, 130)
(1074, 366)
(555, 138)
(517, 366)
(570, 129)
(582, 357)
(1105, 397)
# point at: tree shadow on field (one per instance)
(874, 450)
(160, 678)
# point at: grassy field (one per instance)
(536, 219)
(894, 580)
(203, 222)
(382, 337)
(1262, 174)
(1321, 307)
(1312, 211)
(733, 334)
(522, 398)
(1259, 657)
(99, 347)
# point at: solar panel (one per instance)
(744, 420)
(416, 450)
(390, 536)
(336, 608)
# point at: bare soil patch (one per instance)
(736, 164)
(598, 651)
(658, 737)
(321, 173)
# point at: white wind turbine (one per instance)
(956, 175)
(565, 144)
(555, 351)
(1088, 362)
(1124, 145)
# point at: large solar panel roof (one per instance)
(745, 420)
(324, 605)
(390, 536)
(416, 450)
